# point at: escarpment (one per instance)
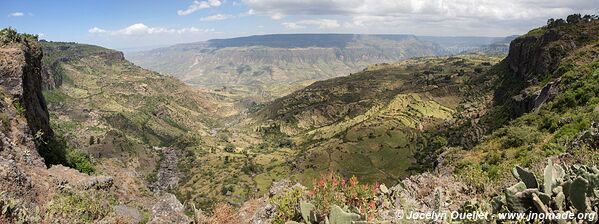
(532, 68)
(22, 81)
(55, 54)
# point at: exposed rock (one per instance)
(23, 111)
(127, 214)
(421, 193)
(21, 79)
(51, 76)
(278, 187)
(168, 175)
(534, 56)
(67, 176)
(168, 210)
(527, 102)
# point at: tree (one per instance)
(574, 18)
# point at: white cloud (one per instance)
(16, 14)
(320, 23)
(292, 26)
(277, 16)
(506, 9)
(199, 5)
(376, 14)
(217, 17)
(96, 30)
(142, 29)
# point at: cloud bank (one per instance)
(440, 16)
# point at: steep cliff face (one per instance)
(533, 74)
(32, 193)
(22, 80)
(532, 56)
(23, 112)
(55, 54)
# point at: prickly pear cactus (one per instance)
(307, 210)
(578, 194)
(525, 176)
(575, 189)
(338, 216)
(553, 176)
(515, 201)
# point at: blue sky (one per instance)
(133, 24)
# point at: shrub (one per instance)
(10, 35)
(249, 167)
(226, 189)
(53, 150)
(230, 148)
(438, 142)
(287, 205)
(80, 161)
(285, 142)
(514, 136)
(87, 206)
(20, 109)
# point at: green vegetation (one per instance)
(10, 35)
(468, 115)
(20, 109)
(87, 207)
(80, 161)
(13, 210)
(288, 205)
(262, 68)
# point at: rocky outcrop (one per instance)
(168, 210)
(526, 102)
(23, 114)
(167, 175)
(51, 76)
(536, 56)
(22, 81)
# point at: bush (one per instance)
(230, 148)
(287, 205)
(518, 136)
(249, 167)
(10, 35)
(87, 206)
(20, 109)
(439, 142)
(80, 161)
